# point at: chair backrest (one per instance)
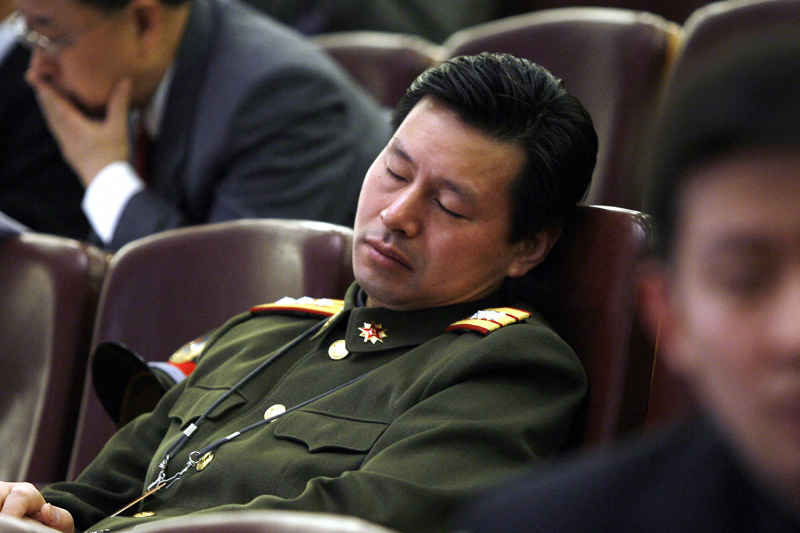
(587, 289)
(167, 289)
(614, 61)
(384, 63)
(715, 27)
(49, 288)
(675, 10)
(264, 522)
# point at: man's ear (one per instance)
(531, 251)
(148, 19)
(662, 318)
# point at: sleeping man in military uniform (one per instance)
(428, 382)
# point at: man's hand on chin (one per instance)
(23, 510)
(89, 144)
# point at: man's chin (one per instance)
(92, 112)
(89, 111)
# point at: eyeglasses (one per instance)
(32, 38)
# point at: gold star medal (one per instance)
(373, 332)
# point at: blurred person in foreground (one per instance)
(724, 295)
(429, 381)
(182, 112)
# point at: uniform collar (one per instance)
(371, 329)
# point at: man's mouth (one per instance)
(386, 254)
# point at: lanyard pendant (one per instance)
(203, 461)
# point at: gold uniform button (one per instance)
(338, 350)
(144, 514)
(274, 410)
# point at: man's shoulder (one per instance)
(266, 43)
(640, 483)
(486, 321)
(304, 306)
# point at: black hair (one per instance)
(111, 6)
(515, 100)
(747, 97)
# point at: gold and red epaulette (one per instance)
(488, 320)
(304, 305)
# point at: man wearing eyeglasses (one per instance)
(247, 119)
(30, 160)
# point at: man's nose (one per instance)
(42, 64)
(404, 213)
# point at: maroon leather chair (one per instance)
(715, 28)
(167, 289)
(615, 61)
(674, 10)
(49, 288)
(263, 522)
(383, 63)
(587, 288)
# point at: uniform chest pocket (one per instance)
(196, 400)
(325, 432)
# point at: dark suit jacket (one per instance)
(258, 123)
(37, 187)
(684, 481)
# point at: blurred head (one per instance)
(725, 201)
(489, 156)
(83, 48)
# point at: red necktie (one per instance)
(142, 153)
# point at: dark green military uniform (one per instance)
(435, 416)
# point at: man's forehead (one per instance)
(738, 212)
(445, 179)
(53, 13)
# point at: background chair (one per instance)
(165, 290)
(10, 524)
(674, 10)
(613, 60)
(49, 287)
(383, 63)
(587, 288)
(263, 522)
(714, 28)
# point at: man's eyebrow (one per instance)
(466, 193)
(397, 147)
(739, 243)
(39, 21)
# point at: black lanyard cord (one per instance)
(217, 443)
(180, 441)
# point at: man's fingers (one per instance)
(120, 101)
(20, 499)
(57, 518)
(64, 117)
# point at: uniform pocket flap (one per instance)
(195, 400)
(323, 431)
